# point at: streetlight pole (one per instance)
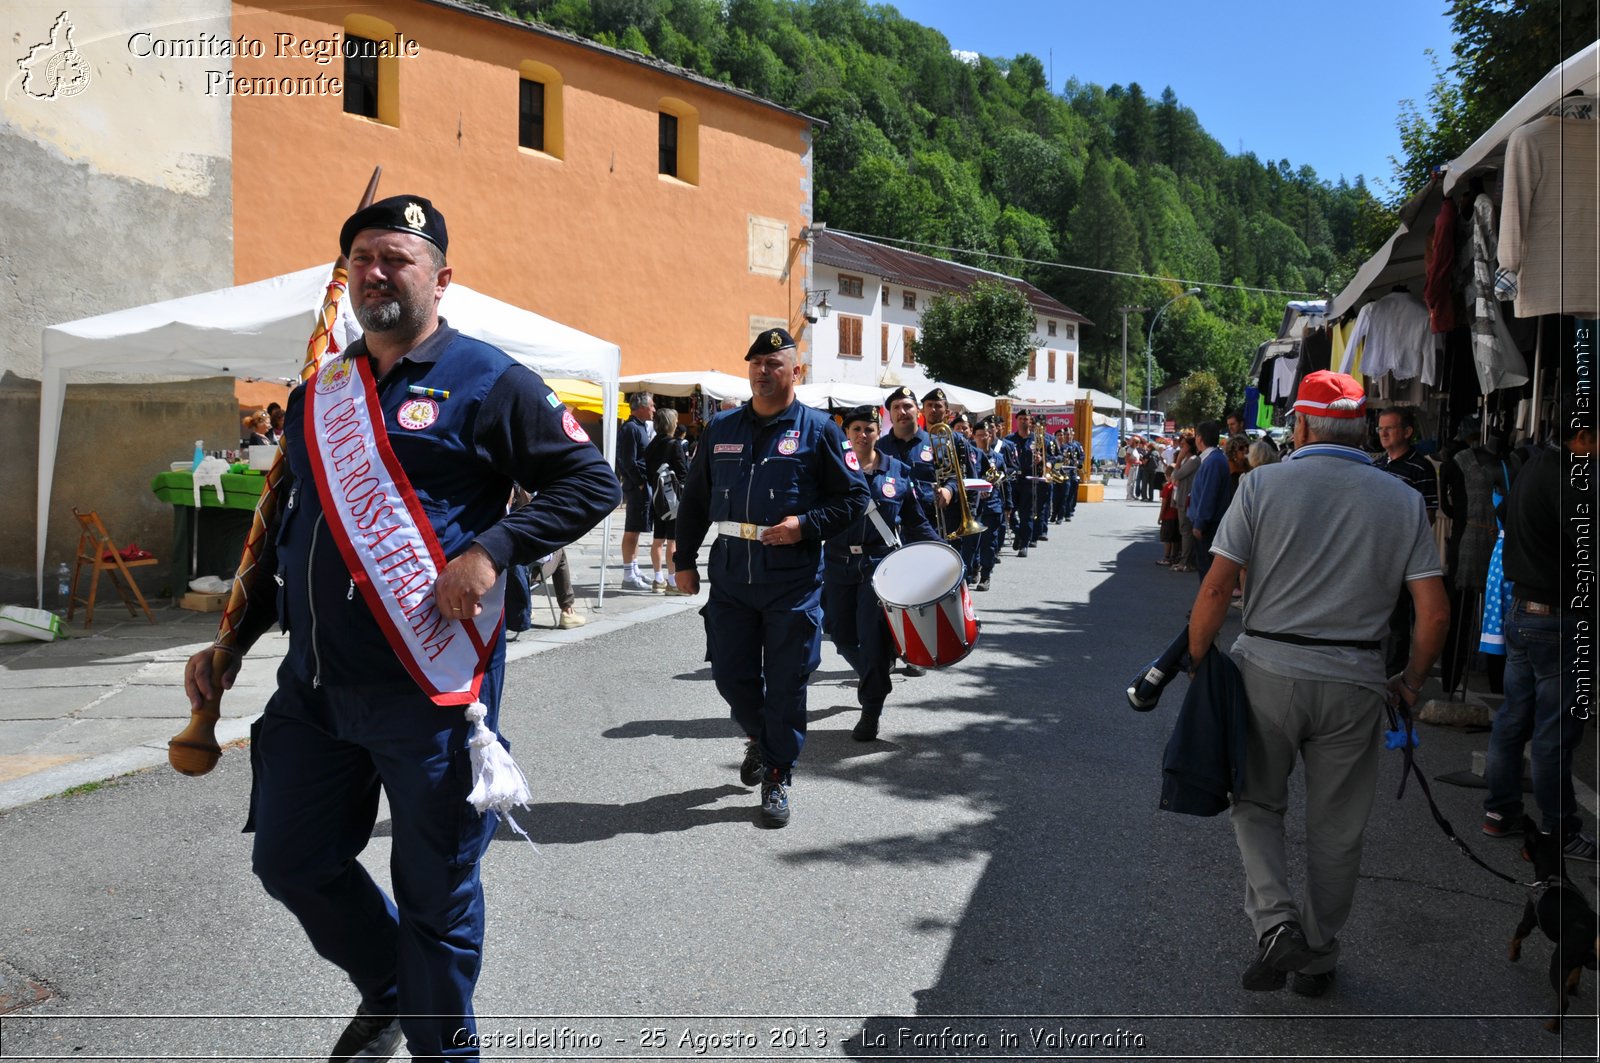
(1149, 343)
(1122, 422)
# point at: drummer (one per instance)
(851, 614)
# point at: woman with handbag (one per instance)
(666, 465)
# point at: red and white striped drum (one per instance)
(923, 589)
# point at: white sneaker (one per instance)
(635, 582)
(572, 620)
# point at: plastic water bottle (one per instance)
(199, 454)
(63, 588)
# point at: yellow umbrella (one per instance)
(584, 395)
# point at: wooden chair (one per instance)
(98, 552)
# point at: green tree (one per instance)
(981, 339)
(1200, 398)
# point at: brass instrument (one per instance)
(947, 466)
(994, 474)
(1041, 468)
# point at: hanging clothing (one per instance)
(1398, 337)
(1494, 353)
(1549, 222)
(1472, 487)
(1439, 291)
(1347, 355)
(1496, 604)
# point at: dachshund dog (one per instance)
(1561, 912)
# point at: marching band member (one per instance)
(987, 508)
(772, 479)
(1024, 496)
(852, 616)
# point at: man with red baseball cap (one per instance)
(1329, 541)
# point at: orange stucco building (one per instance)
(679, 271)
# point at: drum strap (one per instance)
(882, 525)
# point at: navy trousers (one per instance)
(1027, 531)
(989, 542)
(319, 757)
(1070, 498)
(853, 619)
(765, 640)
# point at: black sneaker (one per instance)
(915, 670)
(750, 768)
(775, 798)
(1260, 977)
(1312, 985)
(1285, 948)
(1498, 825)
(1580, 847)
(1022, 551)
(866, 728)
(982, 584)
(369, 1036)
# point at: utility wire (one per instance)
(1064, 265)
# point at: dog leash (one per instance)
(1400, 713)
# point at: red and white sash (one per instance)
(386, 538)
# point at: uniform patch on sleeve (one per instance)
(574, 430)
(888, 487)
(851, 460)
(555, 403)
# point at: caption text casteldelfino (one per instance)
(321, 51)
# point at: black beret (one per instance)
(901, 392)
(861, 413)
(401, 214)
(769, 342)
(959, 418)
(936, 395)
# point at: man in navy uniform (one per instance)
(463, 422)
(1045, 496)
(1005, 459)
(911, 445)
(986, 508)
(1025, 489)
(1072, 459)
(852, 615)
(771, 480)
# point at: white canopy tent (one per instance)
(261, 330)
(681, 385)
(834, 394)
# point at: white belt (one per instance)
(734, 530)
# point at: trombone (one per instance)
(948, 467)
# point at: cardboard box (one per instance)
(203, 603)
(1088, 492)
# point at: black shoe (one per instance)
(1259, 977)
(775, 798)
(915, 670)
(1022, 551)
(982, 584)
(866, 728)
(1312, 985)
(1285, 948)
(750, 768)
(369, 1036)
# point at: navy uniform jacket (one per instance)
(632, 438)
(500, 424)
(852, 555)
(1072, 454)
(917, 453)
(978, 461)
(750, 472)
(1022, 446)
(1005, 456)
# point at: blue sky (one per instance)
(1318, 83)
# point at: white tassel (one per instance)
(498, 785)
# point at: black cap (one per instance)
(959, 418)
(401, 214)
(936, 395)
(769, 342)
(860, 413)
(901, 392)
(1024, 413)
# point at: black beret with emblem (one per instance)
(401, 214)
(901, 392)
(860, 413)
(769, 342)
(959, 418)
(936, 395)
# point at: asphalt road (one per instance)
(995, 867)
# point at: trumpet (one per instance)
(948, 467)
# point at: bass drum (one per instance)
(923, 590)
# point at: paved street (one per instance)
(998, 857)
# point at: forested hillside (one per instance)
(982, 158)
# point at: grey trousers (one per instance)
(1336, 729)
